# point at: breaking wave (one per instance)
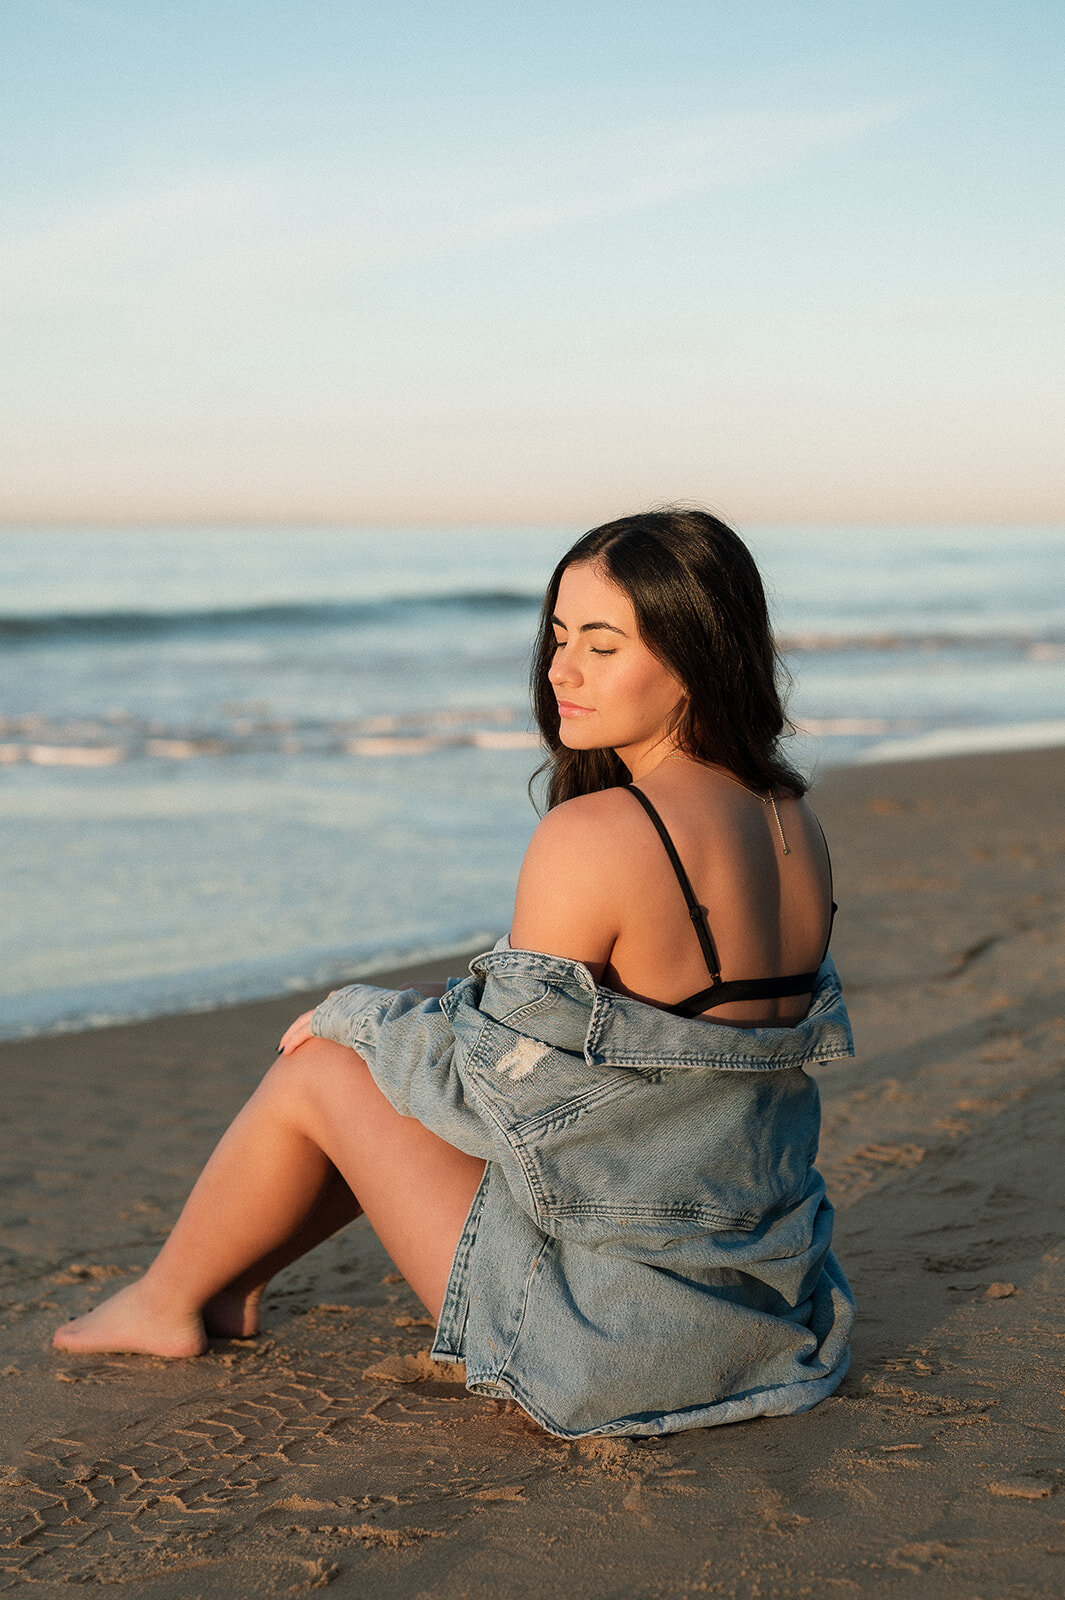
(118, 626)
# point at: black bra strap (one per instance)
(723, 991)
(728, 991)
(695, 910)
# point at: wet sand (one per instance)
(331, 1452)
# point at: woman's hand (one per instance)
(300, 1031)
(297, 1034)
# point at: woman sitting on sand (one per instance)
(592, 1159)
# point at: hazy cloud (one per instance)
(255, 230)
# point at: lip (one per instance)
(569, 708)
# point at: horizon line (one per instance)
(295, 523)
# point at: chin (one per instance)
(579, 739)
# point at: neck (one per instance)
(648, 761)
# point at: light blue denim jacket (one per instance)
(650, 1247)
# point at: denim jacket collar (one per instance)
(621, 1031)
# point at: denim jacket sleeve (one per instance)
(408, 1045)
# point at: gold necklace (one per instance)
(767, 799)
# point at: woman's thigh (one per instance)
(415, 1188)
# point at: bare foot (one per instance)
(232, 1314)
(131, 1322)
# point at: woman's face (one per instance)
(612, 691)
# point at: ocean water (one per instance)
(235, 763)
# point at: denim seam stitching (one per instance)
(454, 1312)
(534, 1268)
(737, 1063)
(571, 1110)
(488, 1112)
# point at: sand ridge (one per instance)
(333, 1452)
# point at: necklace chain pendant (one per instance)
(770, 800)
(766, 799)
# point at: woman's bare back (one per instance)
(597, 886)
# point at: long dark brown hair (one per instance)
(700, 607)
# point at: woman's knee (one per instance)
(314, 1073)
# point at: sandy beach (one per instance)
(330, 1451)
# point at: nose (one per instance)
(564, 668)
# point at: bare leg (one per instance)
(269, 1191)
(233, 1313)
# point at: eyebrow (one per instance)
(589, 627)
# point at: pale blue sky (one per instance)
(441, 261)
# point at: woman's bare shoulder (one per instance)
(567, 902)
(587, 815)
